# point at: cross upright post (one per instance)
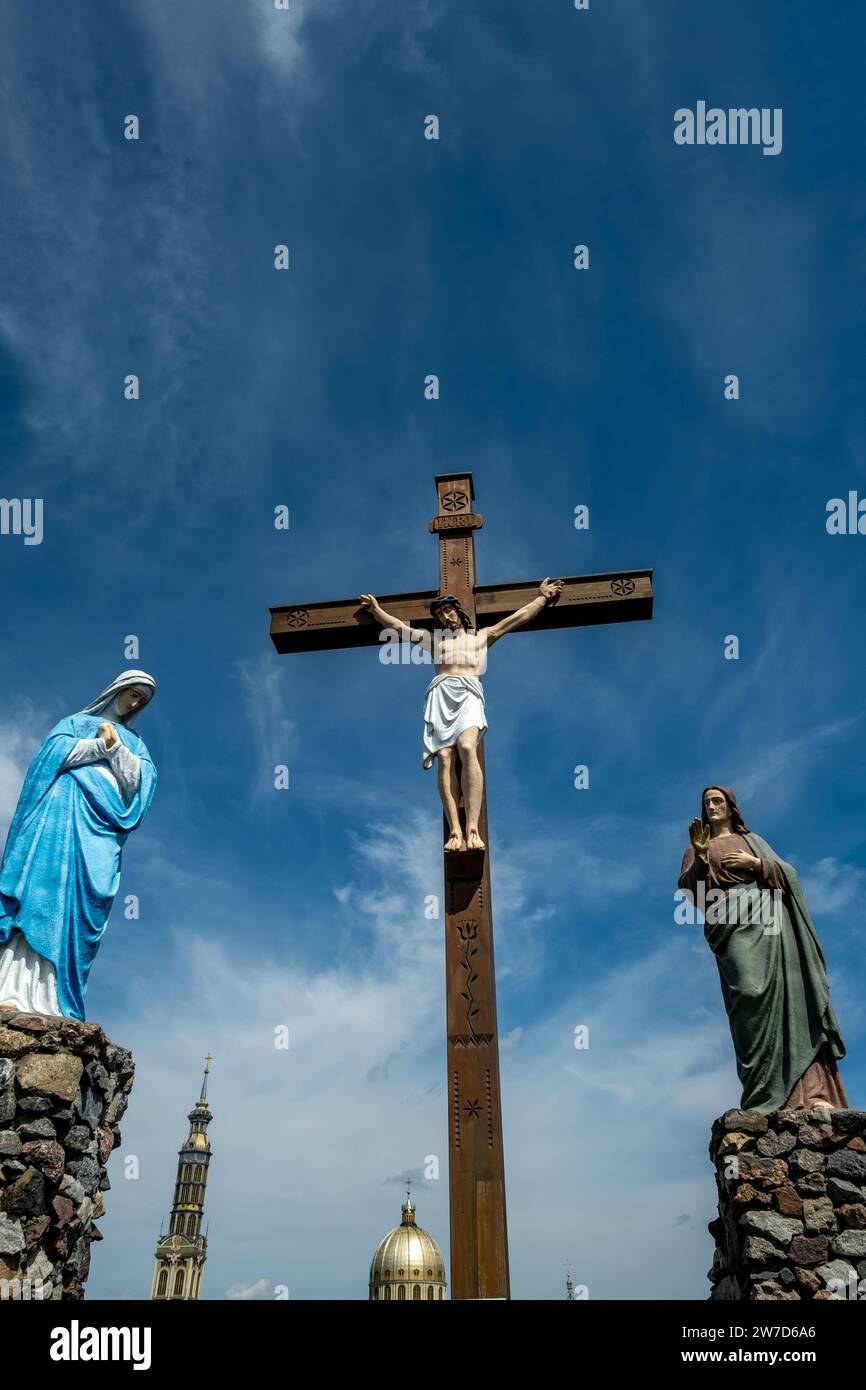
(476, 1160)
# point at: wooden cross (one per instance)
(476, 1168)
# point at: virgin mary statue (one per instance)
(88, 786)
(771, 966)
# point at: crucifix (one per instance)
(476, 1166)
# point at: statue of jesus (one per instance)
(771, 966)
(454, 717)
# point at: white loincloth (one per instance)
(27, 979)
(453, 704)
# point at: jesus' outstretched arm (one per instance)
(418, 635)
(548, 591)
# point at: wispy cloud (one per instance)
(273, 732)
(248, 1293)
(20, 736)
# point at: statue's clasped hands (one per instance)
(108, 734)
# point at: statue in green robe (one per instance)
(771, 966)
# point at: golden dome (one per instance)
(408, 1264)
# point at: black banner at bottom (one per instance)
(155, 1338)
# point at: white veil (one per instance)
(105, 703)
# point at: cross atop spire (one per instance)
(207, 1061)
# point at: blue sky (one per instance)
(558, 387)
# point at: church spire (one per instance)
(180, 1255)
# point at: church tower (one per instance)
(408, 1264)
(181, 1254)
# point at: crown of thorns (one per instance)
(443, 601)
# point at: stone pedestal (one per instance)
(63, 1088)
(792, 1205)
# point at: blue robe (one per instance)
(61, 866)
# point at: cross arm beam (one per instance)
(586, 600)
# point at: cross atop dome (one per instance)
(408, 1208)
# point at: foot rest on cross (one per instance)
(464, 863)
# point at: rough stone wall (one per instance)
(63, 1088)
(792, 1205)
